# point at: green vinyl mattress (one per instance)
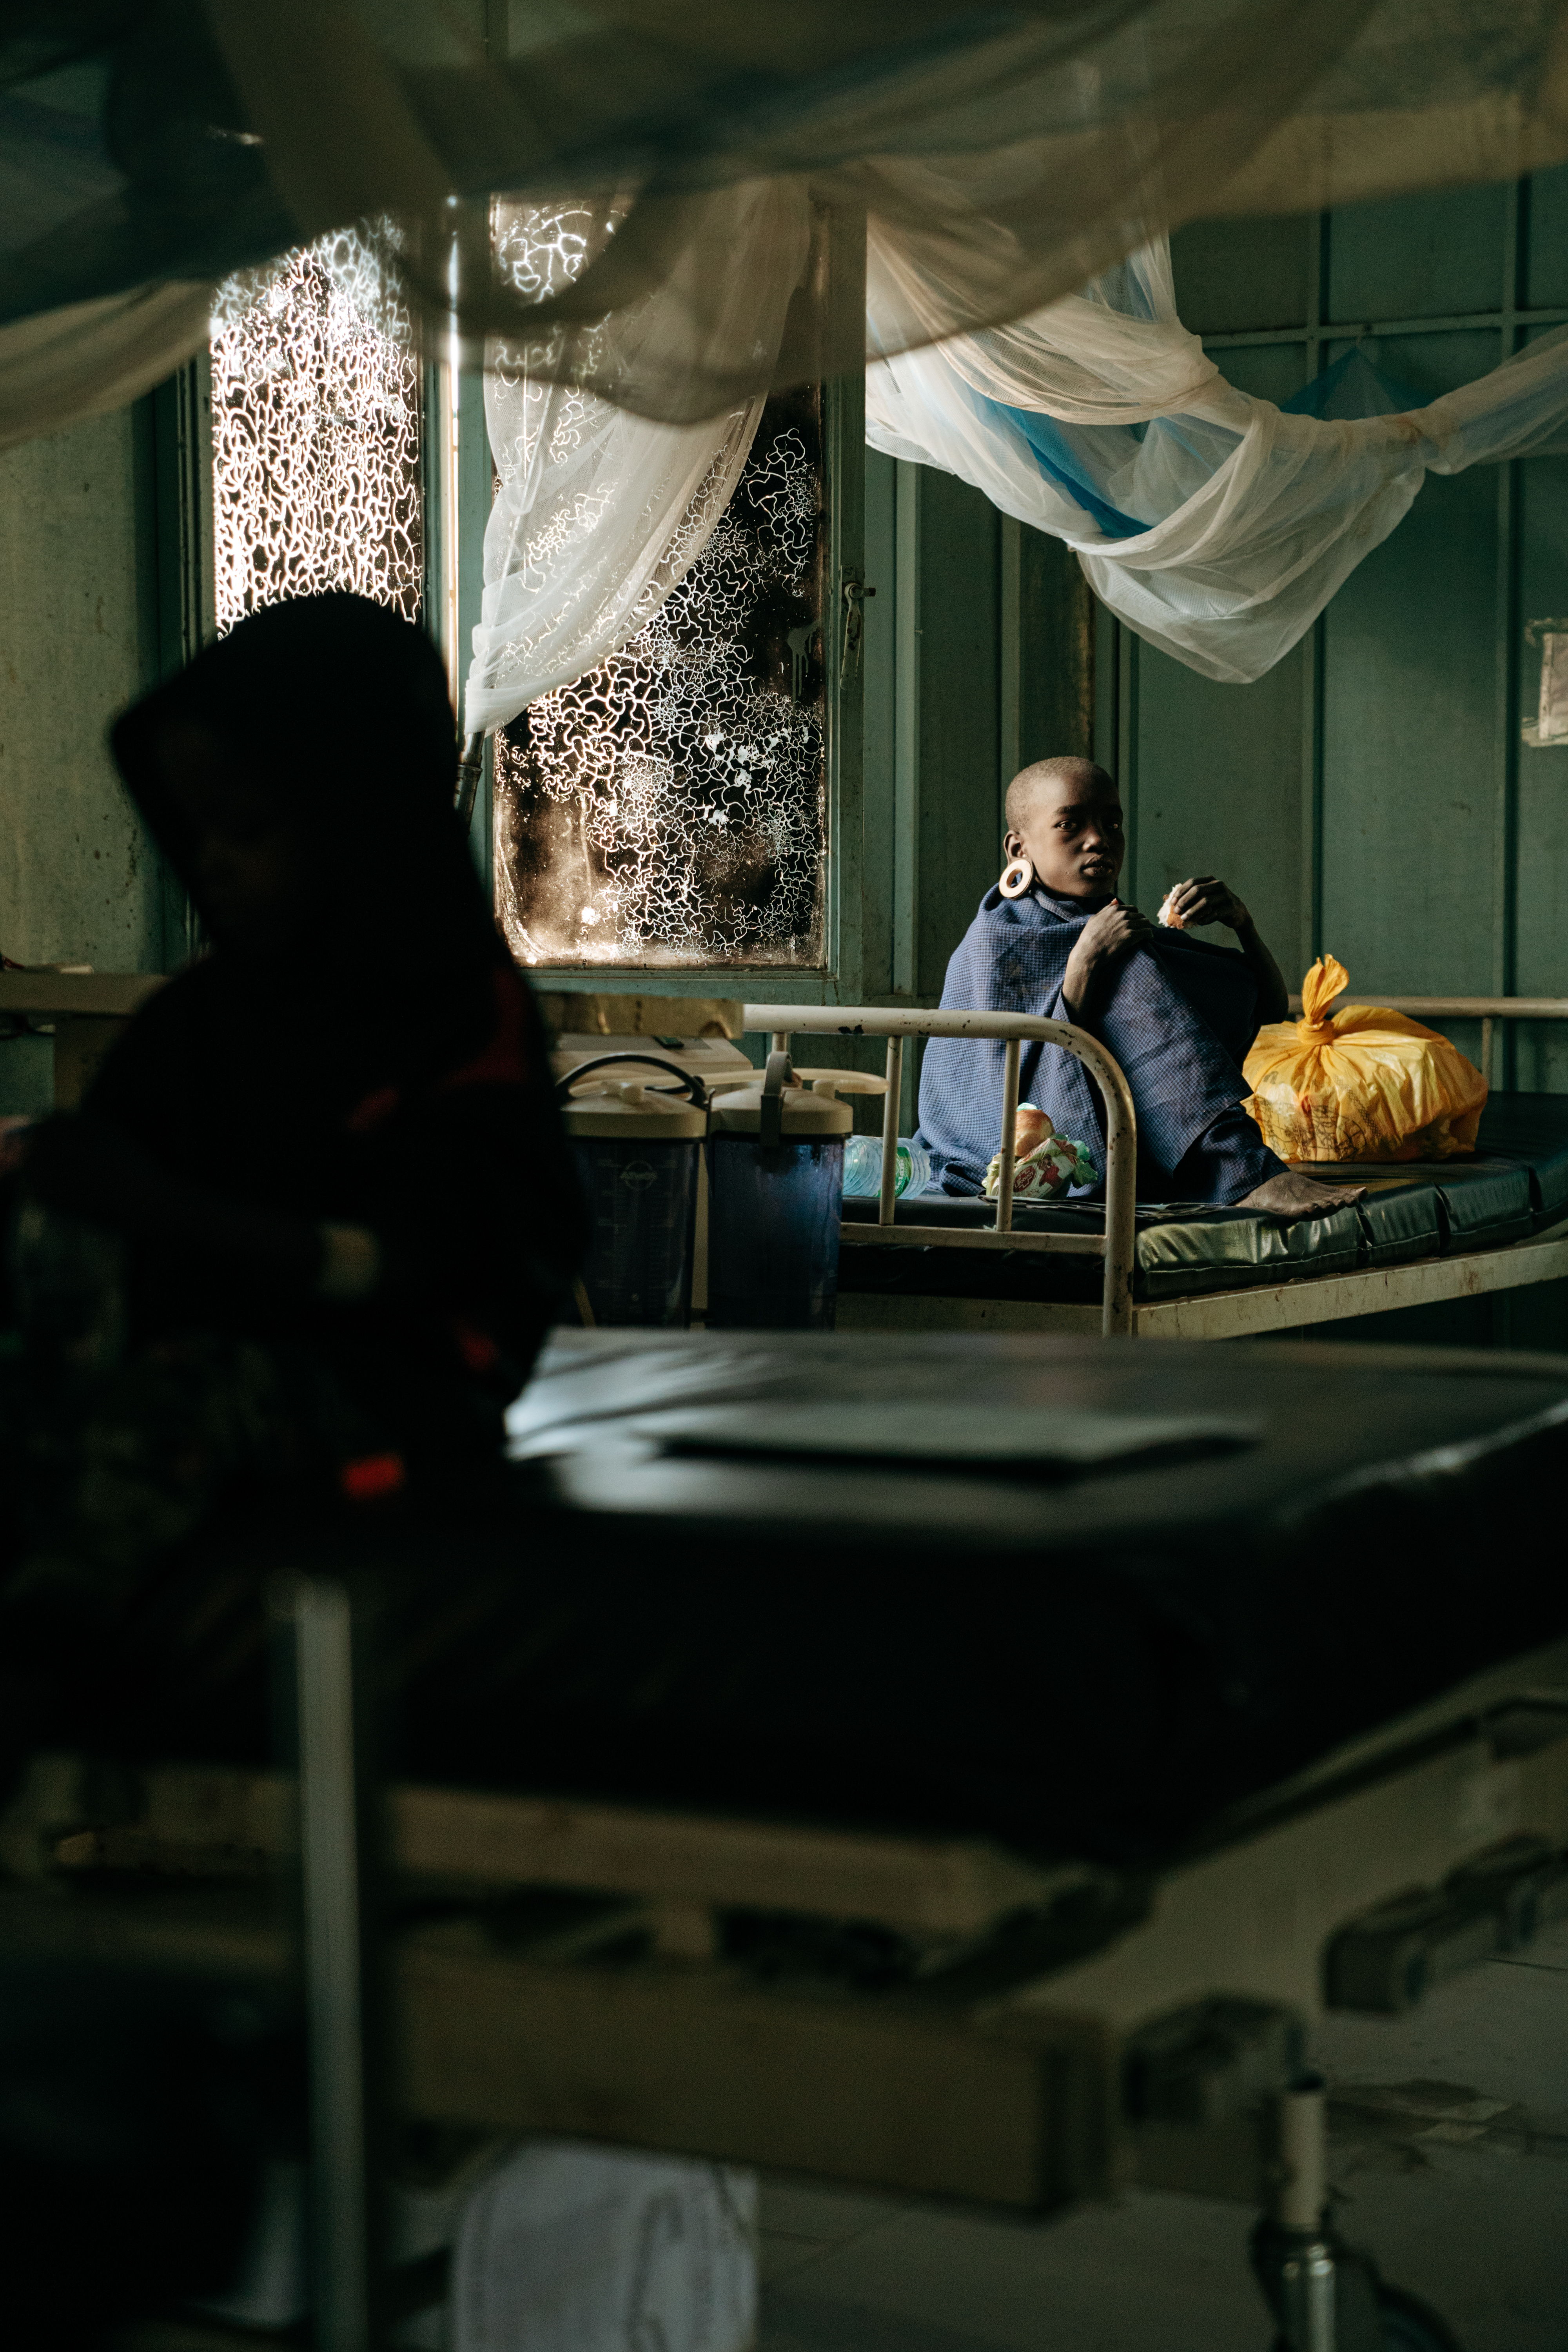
(1516, 1184)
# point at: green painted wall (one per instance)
(80, 882)
(983, 663)
(1372, 795)
(76, 883)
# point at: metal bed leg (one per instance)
(331, 1875)
(1294, 2258)
(1121, 1208)
(1324, 2296)
(1009, 1124)
(892, 1103)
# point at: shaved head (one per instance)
(1063, 816)
(1030, 783)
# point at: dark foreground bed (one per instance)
(761, 1574)
(962, 1766)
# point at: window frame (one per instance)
(842, 977)
(174, 444)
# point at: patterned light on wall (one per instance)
(316, 446)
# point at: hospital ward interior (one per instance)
(783, 1176)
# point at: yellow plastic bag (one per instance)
(1363, 1083)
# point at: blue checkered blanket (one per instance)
(1180, 1018)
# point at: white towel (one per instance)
(565, 2248)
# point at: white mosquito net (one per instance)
(1215, 524)
(1001, 157)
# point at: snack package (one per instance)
(1167, 915)
(1363, 1083)
(1045, 1164)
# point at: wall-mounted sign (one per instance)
(1550, 725)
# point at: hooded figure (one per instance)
(323, 1172)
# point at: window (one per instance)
(670, 809)
(316, 432)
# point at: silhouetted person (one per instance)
(304, 1236)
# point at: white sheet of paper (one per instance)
(1001, 1434)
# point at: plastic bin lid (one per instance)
(628, 1099)
(629, 1113)
(808, 1104)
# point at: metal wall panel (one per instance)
(960, 762)
(1410, 890)
(1218, 774)
(1545, 275)
(1417, 258)
(1243, 274)
(1372, 795)
(1055, 657)
(1540, 890)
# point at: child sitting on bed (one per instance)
(1177, 1013)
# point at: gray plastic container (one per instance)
(776, 1189)
(638, 1149)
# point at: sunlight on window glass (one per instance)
(316, 456)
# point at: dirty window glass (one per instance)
(669, 808)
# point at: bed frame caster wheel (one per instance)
(1363, 2315)
(1322, 2294)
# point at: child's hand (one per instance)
(1206, 899)
(1105, 939)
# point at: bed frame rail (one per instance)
(1488, 1010)
(780, 1022)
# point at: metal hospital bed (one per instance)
(1319, 1271)
(83, 1012)
(1019, 1999)
(1016, 1999)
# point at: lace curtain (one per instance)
(599, 512)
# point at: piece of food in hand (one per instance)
(1030, 1126)
(1167, 914)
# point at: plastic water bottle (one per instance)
(863, 1167)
